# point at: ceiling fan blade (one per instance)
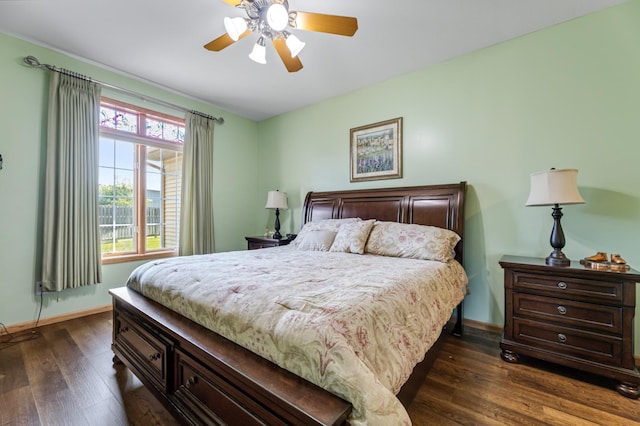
(233, 2)
(333, 24)
(292, 64)
(223, 41)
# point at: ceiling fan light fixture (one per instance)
(294, 44)
(235, 27)
(259, 52)
(271, 21)
(277, 17)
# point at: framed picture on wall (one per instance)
(376, 151)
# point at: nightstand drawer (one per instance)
(254, 243)
(568, 312)
(569, 287)
(256, 246)
(569, 341)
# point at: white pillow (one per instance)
(413, 241)
(326, 224)
(352, 237)
(316, 240)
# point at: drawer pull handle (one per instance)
(191, 381)
(155, 356)
(562, 285)
(562, 338)
(124, 330)
(562, 310)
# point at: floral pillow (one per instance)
(352, 237)
(316, 240)
(326, 224)
(413, 241)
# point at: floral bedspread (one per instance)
(353, 324)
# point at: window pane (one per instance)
(124, 211)
(157, 128)
(113, 118)
(154, 159)
(124, 238)
(107, 153)
(154, 182)
(116, 196)
(124, 157)
(107, 245)
(154, 241)
(127, 122)
(105, 177)
(171, 132)
(154, 128)
(163, 197)
(107, 117)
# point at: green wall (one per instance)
(568, 96)
(564, 97)
(23, 106)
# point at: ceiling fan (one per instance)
(271, 19)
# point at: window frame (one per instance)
(141, 142)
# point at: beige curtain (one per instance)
(71, 237)
(196, 207)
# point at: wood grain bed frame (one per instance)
(203, 378)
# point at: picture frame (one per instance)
(376, 151)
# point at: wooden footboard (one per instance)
(203, 378)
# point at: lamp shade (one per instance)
(276, 200)
(259, 52)
(294, 44)
(235, 27)
(277, 17)
(553, 186)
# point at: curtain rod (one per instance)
(33, 62)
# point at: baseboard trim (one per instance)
(483, 326)
(16, 328)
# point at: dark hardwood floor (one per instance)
(66, 377)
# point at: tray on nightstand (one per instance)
(605, 266)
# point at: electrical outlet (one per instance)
(39, 288)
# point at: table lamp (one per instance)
(277, 200)
(554, 188)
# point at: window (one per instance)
(139, 185)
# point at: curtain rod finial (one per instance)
(32, 61)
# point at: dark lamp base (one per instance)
(557, 258)
(276, 226)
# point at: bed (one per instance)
(204, 377)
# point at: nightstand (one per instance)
(264, 242)
(574, 316)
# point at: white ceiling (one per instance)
(161, 41)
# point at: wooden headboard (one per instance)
(435, 205)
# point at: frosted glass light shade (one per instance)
(553, 186)
(235, 27)
(259, 52)
(294, 44)
(276, 200)
(277, 17)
